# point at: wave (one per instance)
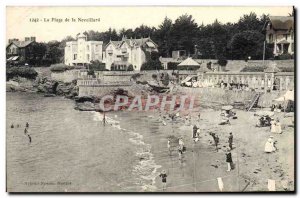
(146, 169)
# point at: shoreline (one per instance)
(252, 165)
(181, 174)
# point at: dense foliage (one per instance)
(229, 41)
(97, 66)
(25, 72)
(152, 61)
(172, 65)
(222, 62)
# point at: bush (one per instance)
(286, 69)
(188, 68)
(172, 65)
(25, 72)
(154, 76)
(284, 57)
(97, 66)
(154, 55)
(222, 62)
(91, 73)
(262, 69)
(130, 68)
(60, 67)
(151, 65)
(253, 69)
(208, 65)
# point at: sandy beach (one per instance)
(202, 165)
(142, 137)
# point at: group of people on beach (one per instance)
(228, 150)
(25, 130)
(195, 136)
(270, 145)
(275, 126)
(276, 107)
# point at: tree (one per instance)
(151, 65)
(247, 43)
(183, 34)
(36, 53)
(144, 31)
(163, 37)
(55, 52)
(152, 62)
(222, 62)
(251, 22)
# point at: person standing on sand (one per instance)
(25, 131)
(278, 126)
(169, 146)
(164, 176)
(194, 131)
(27, 125)
(29, 138)
(230, 140)
(180, 153)
(186, 120)
(228, 160)
(181, 144)
(216, 142)
(273, 126)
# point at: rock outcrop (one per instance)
(44, 85)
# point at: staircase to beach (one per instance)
(253, 102)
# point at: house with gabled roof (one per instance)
(17, 50)
(280, 34)
(81, 52)
(118, 55)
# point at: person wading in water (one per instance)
(104, 119)
(25, 131)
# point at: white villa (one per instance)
(118, 55)
(82, 52)
(280, 33)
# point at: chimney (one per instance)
(13, 39)
(27, 38)
(32, 38)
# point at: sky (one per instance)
(20, 21)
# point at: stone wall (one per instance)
(254, 80)
(66, 76)
(96, 87)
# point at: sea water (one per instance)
(71, 151)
